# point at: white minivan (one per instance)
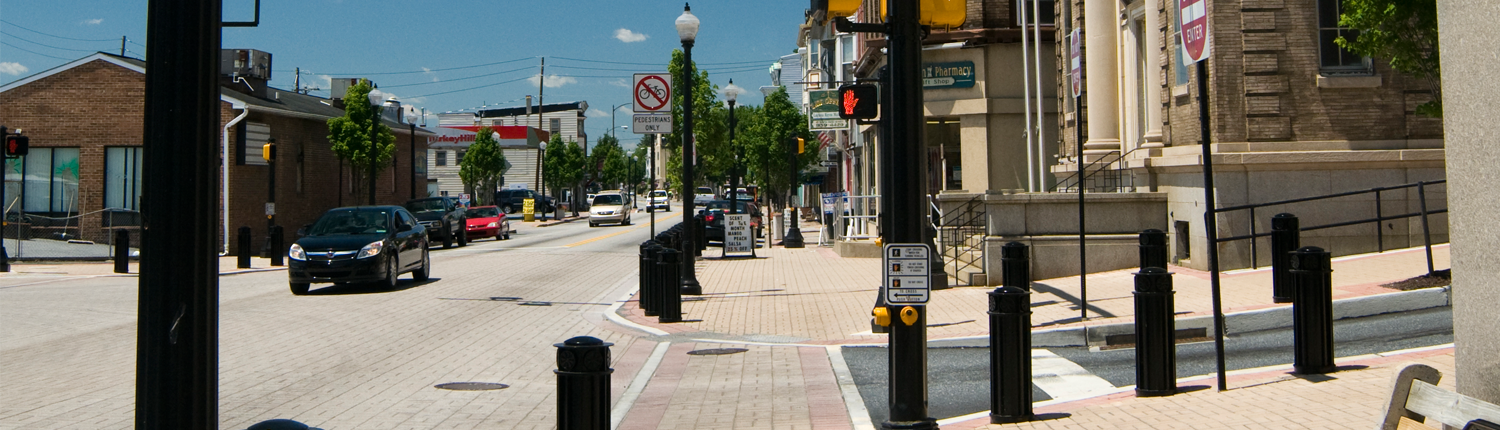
(610, 207)
(658, 200)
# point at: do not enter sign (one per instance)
(652, 92)
(1192, 21)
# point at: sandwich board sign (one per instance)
(737, 236)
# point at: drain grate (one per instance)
(471, 386)
(717, 351)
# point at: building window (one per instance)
(460, 157)
(50, 181)
(554, 125)
(1045, 7)
(1332, 58)
(122, 177)
(441, 158)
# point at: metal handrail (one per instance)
(1104, 159)
(1379, 218)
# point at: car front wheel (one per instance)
(300, 288)
(425, 271)
(392, 273)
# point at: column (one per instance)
(1101, 77)
(1154, 76)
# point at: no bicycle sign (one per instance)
(652, 92)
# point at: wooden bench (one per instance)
(1415, 395)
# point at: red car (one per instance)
(487, 221)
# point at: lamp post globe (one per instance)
(687, 31)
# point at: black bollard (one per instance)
(670, 299)
(700, 235)
(1010, 355)
(1312, 311)
(651, 290)
(278, 424)
(1153, 248)
(1155, 348)
(643, 276)
(583, 383)
(244, 252)
(278, 249)
(1285, 238)
(122, 251)
(1015, 269)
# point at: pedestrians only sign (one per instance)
(652, 92)
(1192, 22)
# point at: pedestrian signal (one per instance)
(858, 101)
(17, 145)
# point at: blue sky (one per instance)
(430, 40)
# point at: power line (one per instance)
(459, 79)
(710, 69)
(426, 71)
(53, 35)
(658, 64)
(468, 89)
(45, 45)
(34, 52)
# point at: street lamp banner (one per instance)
(958, 74)
(651, 92)
(823, 111)
(651, 123)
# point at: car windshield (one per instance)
(426, 205)
(482, 212)
(658, 194)
(705, 190)
(608, 200)
(351, 221)
(724, 204)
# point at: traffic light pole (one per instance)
(903, 184)
(178, 326)
(4, 206)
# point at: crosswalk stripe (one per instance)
(1062, 378)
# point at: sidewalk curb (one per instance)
(1239, 322)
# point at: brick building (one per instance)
(85, 122)
(1292, 115)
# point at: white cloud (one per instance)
(627, 36)
(553, 81)
(14, 69)
(596, 113)
(622, 83)
(429, 72)
(95, 21)
(626, 108)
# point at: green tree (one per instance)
(482, 166)
(639, 158)
(360, 138)
(768, 156)
(1403, 31)
(709, 125)
(562, 166)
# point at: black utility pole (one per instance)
(793, 237)
(270, 198)
(903, 184)
(413, 150)
(652, 210)
(1210, 219)
(690, 283)
(177, 340)
(734, 171)
(4, 206)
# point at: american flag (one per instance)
(826, 137)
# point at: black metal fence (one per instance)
(53, 237)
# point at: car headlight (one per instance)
(371, 250)
(296, 253)
(493, 224)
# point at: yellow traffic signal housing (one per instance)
(268, 151)
(837, 8)
(801, 146)
(936, 13)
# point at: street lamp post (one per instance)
(731, 93)
(687, 31)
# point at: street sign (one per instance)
(907, 272)
(651, 123)
(464, 199)
(1076, 71)
(828, 163)
(1192, 22)
(270, 208)
(652, 92)
(823, 111)
(737, 233)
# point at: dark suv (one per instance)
(443, 217)
(511, 201)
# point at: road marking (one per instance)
(591, 240)
(613, 315)
(859, 417)
(1062, 378)
(633, 392)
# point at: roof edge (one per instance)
(118, 61)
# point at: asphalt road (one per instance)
(348, 356)
(958, 378)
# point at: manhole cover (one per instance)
(472, 386)
(717, 351)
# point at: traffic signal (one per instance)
(268, 151)
(17, 145)
(801, 145)
(858, 101)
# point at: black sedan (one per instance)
(713, 217)
(359, 244)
